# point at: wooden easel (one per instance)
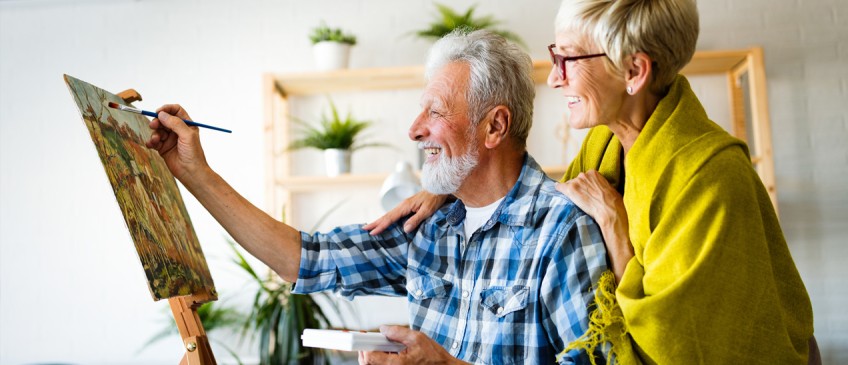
(198, 351)
(195, 342)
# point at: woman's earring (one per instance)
(630, 90)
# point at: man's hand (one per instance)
(420, 349)
(422, 204)
(177, 143)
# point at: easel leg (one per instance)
(198, 351)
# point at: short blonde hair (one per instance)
(666, 30)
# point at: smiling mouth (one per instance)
(573, 100)
(431, 150)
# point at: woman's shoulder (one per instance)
(715, 167)
(710, 151)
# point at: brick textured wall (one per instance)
(806, 55)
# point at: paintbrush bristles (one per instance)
(125, 108)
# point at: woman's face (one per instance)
(594, 95)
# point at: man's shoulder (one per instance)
(549, 196)
(537, 203)
(554, 209)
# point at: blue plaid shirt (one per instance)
(515, 292)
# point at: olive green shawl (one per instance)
(712, 280)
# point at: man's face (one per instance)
(444, 131)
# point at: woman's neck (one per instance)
(630, 124)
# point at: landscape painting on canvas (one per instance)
(147, 194)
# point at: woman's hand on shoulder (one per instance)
(423, 204)
(592, 193)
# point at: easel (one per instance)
(198, 351)
(191, 329)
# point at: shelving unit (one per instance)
(746, 85)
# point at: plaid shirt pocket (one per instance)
(502, 301)
(422, 287)
(503, 325)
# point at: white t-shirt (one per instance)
(477, 217)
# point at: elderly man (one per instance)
(502, 275)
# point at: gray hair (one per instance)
(666, 30)
(500, 75)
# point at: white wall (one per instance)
(71, 289)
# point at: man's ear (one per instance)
(497, 129)
(637, 77)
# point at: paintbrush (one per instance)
(154, 115)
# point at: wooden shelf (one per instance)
(712, 62)
(313, 83)
(410, 77)
(320, 183)
(735, 64)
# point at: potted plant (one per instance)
(447, 20)
(279, 317)
(331, 47)
(336, 137)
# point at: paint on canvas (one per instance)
(147, 194)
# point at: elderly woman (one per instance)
(701, 272)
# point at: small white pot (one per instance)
(336, 161)
(331, 55)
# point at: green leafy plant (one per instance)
(448, 19)
(323, 33)
(333, 132)
(278, 318)
(215, 317)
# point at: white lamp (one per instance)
(401, 184)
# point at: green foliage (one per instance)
(214, 316)
(323, 33)
(278, 318)
(447, 20)
(333, 132)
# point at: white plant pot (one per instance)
(331, 55)
(336, 161)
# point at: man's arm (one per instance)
(576, 265)
(273, 242)
(352, 262)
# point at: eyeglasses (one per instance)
(559, 61)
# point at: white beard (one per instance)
(445, 175)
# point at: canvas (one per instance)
(147, 194)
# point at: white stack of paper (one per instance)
(349, 341)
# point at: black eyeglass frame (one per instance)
(559, 60)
